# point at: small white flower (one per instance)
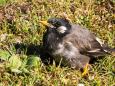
(80, 84)
(91, 77)
(3, 37)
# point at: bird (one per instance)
(71, 44)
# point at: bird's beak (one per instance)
(45, 23)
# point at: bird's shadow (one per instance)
(31, 49)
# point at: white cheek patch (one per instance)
(62, 29)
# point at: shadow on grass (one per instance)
(32, 49)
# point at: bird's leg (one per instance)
(85, 70)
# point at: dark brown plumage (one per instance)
(72, 44)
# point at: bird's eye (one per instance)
(56, 24)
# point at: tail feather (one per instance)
(102, 52)
(105, 47)
(110, 51)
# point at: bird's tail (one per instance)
(109, 50)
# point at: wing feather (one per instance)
(84, 40)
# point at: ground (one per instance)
(21, 38)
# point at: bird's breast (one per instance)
(59, 50)
(64, 52)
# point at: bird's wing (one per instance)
(84, 40)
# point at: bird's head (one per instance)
(62, 26)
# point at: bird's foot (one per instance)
(85, 70)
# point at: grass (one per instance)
(21, 36)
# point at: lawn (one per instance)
(21, 41)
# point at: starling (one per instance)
(72, 44)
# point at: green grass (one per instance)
(21, 25)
